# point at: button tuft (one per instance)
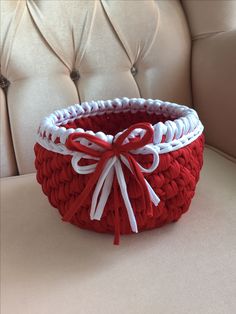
(75, 75)
(134, 70)
(4, 83)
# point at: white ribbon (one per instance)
(105, 181)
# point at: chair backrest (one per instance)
(56, 53)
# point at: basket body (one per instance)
(174, 179)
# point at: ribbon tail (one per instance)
(154, 198)
(83, 196)
(123, 189)
(117, 217)
(104, 183)
(132, 165)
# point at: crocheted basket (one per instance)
(122, 165)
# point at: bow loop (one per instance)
(137, 141)
(74, 144)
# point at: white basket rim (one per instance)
(183, 127)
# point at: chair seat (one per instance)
(186, 267)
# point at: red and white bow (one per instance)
(109, 157)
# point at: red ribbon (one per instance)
(117, 148)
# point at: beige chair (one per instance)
(56, 53)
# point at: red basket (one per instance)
(122, 165)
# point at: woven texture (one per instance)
(174, 180)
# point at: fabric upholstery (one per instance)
(7, 157)
(102, 40)
(106, 45)
(186, 267)
(213, 28)
(209, 17)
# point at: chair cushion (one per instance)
(186, 267)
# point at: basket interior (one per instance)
(112, 123)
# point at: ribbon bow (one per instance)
(109, 157)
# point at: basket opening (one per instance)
(112, 123)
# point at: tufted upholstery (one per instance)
(68, 60)
(59, 52)
(103, 41)
(114, 48)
